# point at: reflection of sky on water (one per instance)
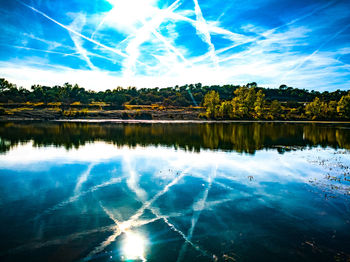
(133, 247)
(181, 205)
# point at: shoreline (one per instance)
(169, 121)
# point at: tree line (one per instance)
(251, 103)
(185, 95)
(221, 102)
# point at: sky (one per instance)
(103, 44)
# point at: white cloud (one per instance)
(152, 53)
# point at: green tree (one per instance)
(316, 109)
(5, 85)
(343, 107)
(332, 110)
(226, 110)
(244, 102)
(211, 102)
(275, 110)
(259, 105)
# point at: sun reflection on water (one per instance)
(133, 247)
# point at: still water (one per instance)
(174, 192)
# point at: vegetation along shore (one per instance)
(188, 102)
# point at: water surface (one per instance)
(174, 192)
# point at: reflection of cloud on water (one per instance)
(60, 240)
(138, 223)
(134, 220)
(133, 180)
(264, 164)
(237, 177)
(83, 178)
(197, 207)
(26, 156)
(79, 195)
(134, 186)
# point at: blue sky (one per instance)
(147, 43)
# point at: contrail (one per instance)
(216, 30)
(51, 44)
(41, 50)
(91, 54)
(99, 25)
(170, 9)
(306, 15)
(79, 22)
(251, 40)
(75, 54)
(143, 34)
(210, 27)
(74, 32)
(169, 45)
(271, 31)
(203, 31)
(316, 51)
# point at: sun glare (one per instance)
(129, 13)
(133, 247)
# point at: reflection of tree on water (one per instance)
(241, 137)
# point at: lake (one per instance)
(109, 191)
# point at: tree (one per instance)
(283, 87)
(252, 84)
(5, 85)
(259, 105)
(226, 110)
(243, 102)
(316, 109)
(343, 107)
(238, 102)
(332, 110)
(275, 110)
(211, 101)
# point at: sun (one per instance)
(128, 14)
